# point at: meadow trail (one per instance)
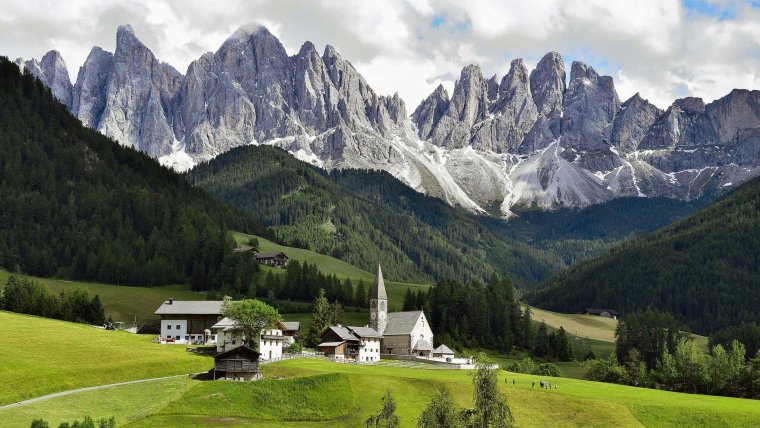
(75, 391)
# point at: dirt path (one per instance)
(74, 391)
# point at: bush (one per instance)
(294, 348)
(606, 371)
(547, 369)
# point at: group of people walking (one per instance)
(542, 384)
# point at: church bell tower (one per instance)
(378, 303)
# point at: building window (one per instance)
(177, 337)
(187, 337)
(169, 327)
(177, 326)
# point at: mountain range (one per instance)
(529, 139)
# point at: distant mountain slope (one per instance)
(366, 217)
(79, 205)
(704, 269)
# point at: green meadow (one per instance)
(319, 393)
(121, 302)
(40, 356)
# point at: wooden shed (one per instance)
(241, 363)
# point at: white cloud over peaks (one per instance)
(662, 49)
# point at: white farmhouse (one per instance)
(270, 340)
(188, 321)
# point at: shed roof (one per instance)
(400, 323)
(423, 345)
(364, 332)
(444, 350)
(190, 307)
(330, 344)
(242, 350)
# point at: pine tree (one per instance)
(409, 300)
(320, 318)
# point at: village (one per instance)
(403, 335)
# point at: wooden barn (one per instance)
(272, 259)
(240, 363)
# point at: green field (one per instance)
(330, 265)
(123, 303)
(320, 393)
(40, 356)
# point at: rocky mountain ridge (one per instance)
(527, 139)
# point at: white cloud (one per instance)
(657, 48)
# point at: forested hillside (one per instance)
(367, 217)
(705, 269)
(78, 205)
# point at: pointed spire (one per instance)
(378, 288)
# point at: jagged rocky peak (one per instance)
(88, 100)
(547, 84)
(492, 88)
(691, 104)
(513, 115)
(469, 102)
(632, 122)
(52, 71)
(738, 110)
(590, 105)
(430, 111)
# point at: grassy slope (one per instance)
(341, 269)
(588, 326)
(40, 356)
(317, 393)
(123, 303)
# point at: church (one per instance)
(403, 333)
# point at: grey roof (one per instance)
(378, 287)
(343, 333)
(224, 323)
(364, 332)
(269, 255)
(443, 349)
(400, 323)
(330, 344)
(596, 311)
(292, 325)
(423, 345)
(190, 307)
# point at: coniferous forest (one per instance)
(705, 269)
(78, 205)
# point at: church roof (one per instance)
(378, 287)
(400, 323)
(423, 345)
(444, 350)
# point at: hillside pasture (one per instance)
(330, 265)
(123, 303)
(41, 356)
(319, 393)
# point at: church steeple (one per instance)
(378, 303)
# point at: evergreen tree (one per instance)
(387, 417)
(410, 302)
(440, 412)
(321, 317)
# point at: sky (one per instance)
(663, 49)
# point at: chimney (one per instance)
(171, 301)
